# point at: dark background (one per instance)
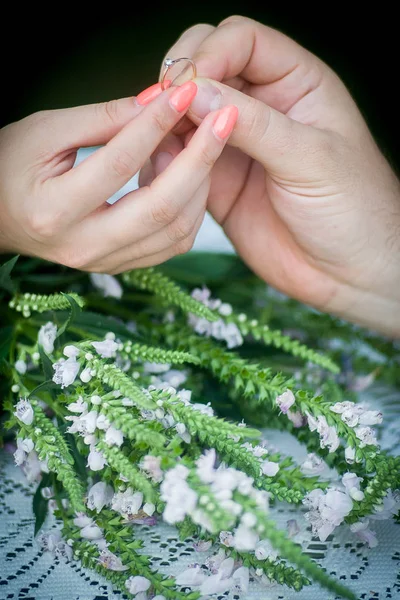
(81, 53)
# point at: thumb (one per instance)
(279, 143)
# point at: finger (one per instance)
(161, 257)
(169, 147)
(144, 211)
(90, 125)
(279, 143)
(174, 236)
(104, 172)
(188, 42)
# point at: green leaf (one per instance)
(40, 505)
(75, 310)
(79, 459)
(47, 365)
(5, 279)
(6, 334)
(48, 386)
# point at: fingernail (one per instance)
(183, 95)
(150, 93)
(208, 98)
(162, 161)
(225, 122)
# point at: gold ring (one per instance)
(167, 66)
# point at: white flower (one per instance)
(193, 576)
(107, 284)
(364, 534)
(100, 495)
(149, 508)
(313, 465)
(366, 435)
(91, 532)
(114, 437)
(245, 539)
(71, 351)
(65, 371)
(205, 466)
(24, 411)
(341, 407)
(102, 422)
(285, 401)
(86, 375)
(24, 447)
(96, 460)
(296, 418)
(269, 468)
(226, 538)
(47, 336)
(292, 528)
(137, 584)
(371, 417)
(109, 561)
(183, 432)
(20, 367)
(179, 497)
(84, 423)
(106, 349)
(79, 406)
(82, 520)
(389, 507)
(328, 435)
(327, 510)
(264, 550)
(151, 464)
(350, 455)
(127, 503)
(241, 579)
(216, 584)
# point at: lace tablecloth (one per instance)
(28, 573)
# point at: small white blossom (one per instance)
(265, 550)
(269, 468)
(82, 520)
(127, 503)
(365, 534)
(100, 495)
(371, 417)
(96, 460)
(389, 507)
(24, 411)
(366, 435)
(91, 532)
(109, 561)
(137, 583)
(79, 406)
(205, 466)
(106, 349)
(149, 508)
(285, 401)
(107, 284)
(86, 375)
(24, 447)
(350, 455)
(20, 367)
(296, 418)
(226, 538)
(328, 435)
(241, 579)
(47, 336)
(71, 351)
(114, 437)
(327, 510)
(179, 497)
(66, 371)
(216, 584)
(244, 539)
(313, 465)
(151, 464)
(102, 422)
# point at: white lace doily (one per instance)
(26, 573)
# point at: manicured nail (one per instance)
(183, 95)
(225, 122)
(161, 162)
(150, 93)
(208, 98)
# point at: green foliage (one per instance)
(28, 303)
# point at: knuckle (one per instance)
(196, 29)
(162, 211)
(160, 123)
(207, 157)
(234, 19)
(122, 163)
(110, 111)
(184, 246)
(258, 121)
(42, 119)
(44, 225)
(180, 229)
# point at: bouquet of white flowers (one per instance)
(135, 399)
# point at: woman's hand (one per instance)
(302, 191)
(51, 210)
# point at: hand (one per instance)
(302, 191)
(50, 210)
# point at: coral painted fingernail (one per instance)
(150, 93)
(183, 95)
(225, 122)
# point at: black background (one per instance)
(81, 53)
